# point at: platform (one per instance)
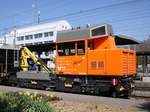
(142, 84)
(141, 89)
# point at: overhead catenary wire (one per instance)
(89, 10)
(26, 12)
(79, 18)
(76, 15)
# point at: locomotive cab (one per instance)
(94, 65)
(94, 56)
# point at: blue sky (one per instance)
(129, 17)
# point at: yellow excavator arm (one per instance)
(25, 53)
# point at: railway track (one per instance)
(139, 98)
(141, 90)
(141, 93)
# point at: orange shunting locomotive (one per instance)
(88, 61)
(94, 65)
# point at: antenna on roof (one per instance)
(39, 14)
(87, 25)
(35, 13)
(33, 10)
(78, 27)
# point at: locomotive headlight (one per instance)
(114, 81)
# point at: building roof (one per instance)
(141, 53)
(125, 40)
(26, 35)
(42, 26)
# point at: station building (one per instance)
(143, 60)
(39, 34)
(36, 34)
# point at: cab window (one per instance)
(80, 48)
(66, 49)
(90, 44)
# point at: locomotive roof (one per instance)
(119, 39)
(84, 32)
(92, 31)
(125, 40)
(86, 38)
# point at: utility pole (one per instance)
(6, 62)
(14, 44)
(14, 37)
(39, 14)
(5, 41)
(6, 55)
(35, 12)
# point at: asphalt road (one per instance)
(115, 102)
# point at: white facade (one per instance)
(37, 34)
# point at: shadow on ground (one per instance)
(145, 106)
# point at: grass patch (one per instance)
(25, 102)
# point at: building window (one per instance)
(20, 38)
(28, 44)
(39, 35)
(35, 35)
(21, 44)
(46, 42)
(38, 43)
(27, 37)
(48, 34)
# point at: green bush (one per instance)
(24, 102)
